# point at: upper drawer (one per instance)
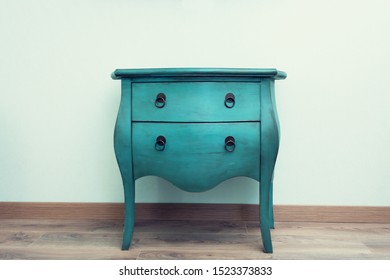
(196, 101)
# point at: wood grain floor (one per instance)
(101, 239)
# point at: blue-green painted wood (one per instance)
(123, 152)
(196, 102)
(199, 72)
(269, 151)
(194, 158)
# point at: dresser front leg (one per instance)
(265, 215)
(123, 153)
(128, 227)
(271, 204)
(269, 146)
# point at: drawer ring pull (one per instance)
(160, 100)
(230, 100)
(160, 143)
(230, 144)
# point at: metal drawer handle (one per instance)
(230, 100)
(160, 143)
(230, 143)
(160, 100)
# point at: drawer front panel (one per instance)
(194, 157)
(196, 101)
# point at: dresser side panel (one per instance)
(122, 133)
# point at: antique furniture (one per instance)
(197, 127)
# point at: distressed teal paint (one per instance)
(195, 158)
(195, 125)
(196, 101)
(269, 150)
(123, 152)
(199, 72)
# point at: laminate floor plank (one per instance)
(61, 225)
(191, 226)
(197, 240)
(79, 240)
(204, 241)
(209, 254)
(62, 253)
(18, 238)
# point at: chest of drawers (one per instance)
(197, 127)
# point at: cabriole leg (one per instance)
(265, 214)
(269, 146)
(271, 204)
(123, 153)
(128, 227)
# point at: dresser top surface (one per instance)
(199, 72)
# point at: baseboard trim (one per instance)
(184, 211)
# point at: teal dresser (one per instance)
(197, 127)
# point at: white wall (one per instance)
(58, 104)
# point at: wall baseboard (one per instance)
(184, 211)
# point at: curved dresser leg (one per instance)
(271, 204)
(265, 214)
(128, 227)
(268, 154)
(123, 153)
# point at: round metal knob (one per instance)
(230, 100)
(230, 143)
(160, 100)
(160, 143)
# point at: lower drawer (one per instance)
(196, 157)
